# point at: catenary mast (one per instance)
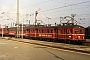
(17, 22)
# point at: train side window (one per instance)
(50, 31)
(70, 31)
(81, 32)
(42, 31)
(65, 31)
(47, 30)
(39, 31)
(76, 31)
(30, 31)
(60, 31)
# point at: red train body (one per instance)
(12, 32)
(46, 32)
(64, 32)
(5, 31)
(74, 32)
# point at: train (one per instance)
(87, 32)
(68, 33)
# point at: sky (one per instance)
(53, 9)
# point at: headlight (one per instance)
(69, 36)
(78, 37)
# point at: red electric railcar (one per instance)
(71, 33)
(4, 32)
(12, 31)
(46, 33)
(68, 33)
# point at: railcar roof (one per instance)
(62, 26)
(65, 26)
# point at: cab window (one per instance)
(81, 31)
(70, 31)
(60, 31)
(76, 31)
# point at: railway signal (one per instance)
(36, 13)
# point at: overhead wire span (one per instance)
(72, 9)
(32, 5)
(59, 2)
(36, 4)
(66, 6)
(11, 6)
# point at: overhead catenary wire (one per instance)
(11, 6)
(65, 6)
(59, 1)
(60, 11)
(69, 9)
(59, 7)
(37, 4)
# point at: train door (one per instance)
(36, 32)
(29, 33)
(56, 32)
(65, 33)
(60, 33)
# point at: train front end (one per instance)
(78, 33)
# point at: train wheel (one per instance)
(72, 42)
(67, 41)
(80, 42)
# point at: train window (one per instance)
(31, 31)
(70, 31)
(50, 31)
(47, 30)
(65, 31)
(39, 31)
(81, 31)
(60, 31)
(42, 31)
(76, 31)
